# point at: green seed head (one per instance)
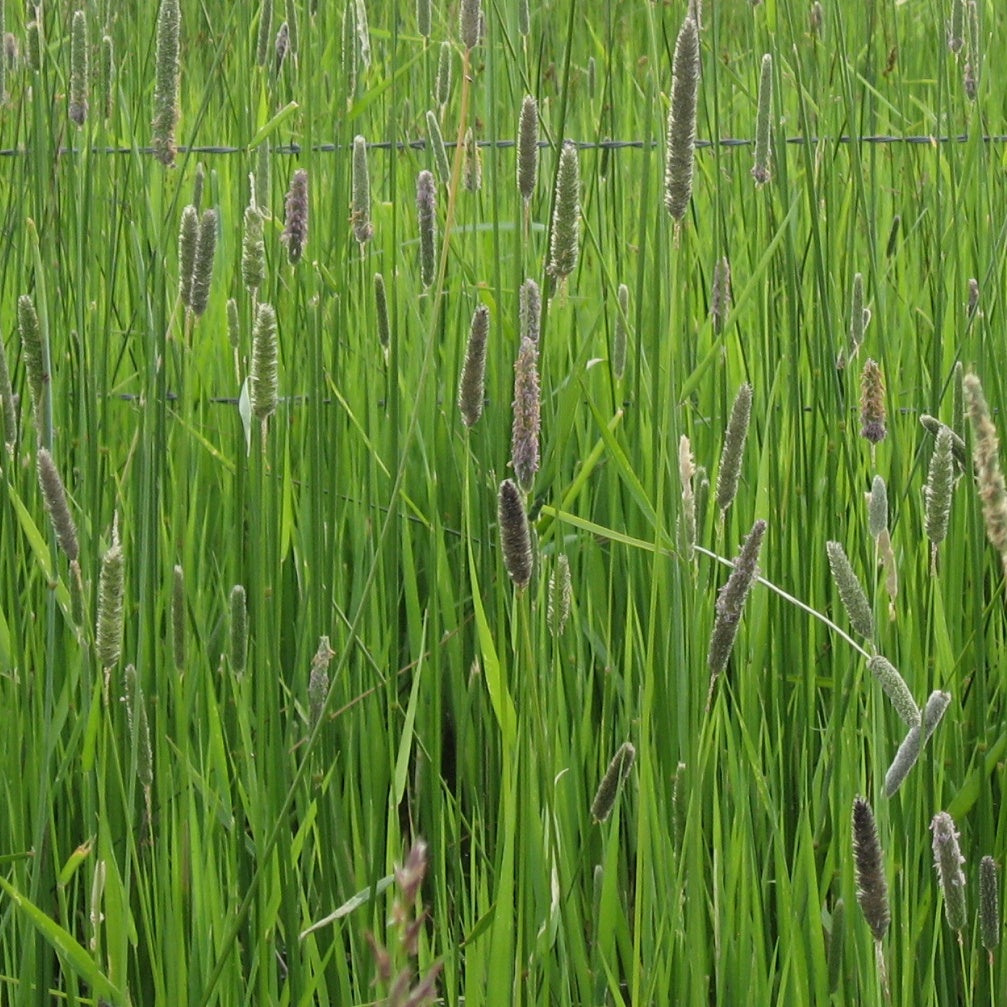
(166, 81)
(202, 263)
(360, 207)
(948, 861)
(57, 505)
(295, 233)
(682, 121)
(616, 774)
(78, 68)
(471, 387)
(762, 172)
(564, 247)
(108, 635)
(527, 148)
(263, 379)
(238, 649)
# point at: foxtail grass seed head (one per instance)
(178, 618)
(956, 26)
(816, 19)
(527, 148)
(970, 74)
(435, 141)
(139, 729)
(523, 17)
(515, 535)
(33, 43)
(56, 504)
(734, 448)
(253, 251)
(472, 167)
(834, 948)
(682, 121)
(469, 18)
(948, 861)
(78, 68)
(937, 491)
(265, 33)
(360, 207)
(527, 417)
(529, 311)
(166, 82)
(616, 774)
(859, 318)
(7, 411)
(851, 593)
(281, 46)
(895, 689)
(620, 336)
(893, 236)
(238, 640)
(720, 295)
(188, 237)
(877, 508)
(471, 387)
(292, 27)
(198, 184)
(424, 20)
(233, 325)
(202, 264)
(426, 204)
(731, 603)
(687, 519)
(989, 904)
(959, 450)
(442, 86)
(564, 246)
(560, 596)
(262, 378)
(972, 308)
(381, 311)
(872, 403)
(318, 681)
(592, 78)
(12, 53)
(34, 356)
(986, 456)
(108, 635)
(348, 51)
(933, 712)
(905, 759)
(872, 889)
(295, 233)
(762, 171)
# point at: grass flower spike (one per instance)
(295, 233)
(896, 689)
(56, 504)
(360, 208)
(851, 593)
(426, 202)
(515, 535)
(238, 639)
(564, 245)
(872, 403)
(986, 456)
(615, 776)
(78, 68)
(108, 635)
(262, 379)
(202, 263)
(471, 387)
(682, 121)
(188, 238)
(989, 904)
(166, 81)
(560, 596)
(948, 861)
(762, 172)
(734, 447)
(527, 148)
(527, 422)
(731, 603)
(872, 889)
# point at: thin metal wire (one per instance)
(421, 144)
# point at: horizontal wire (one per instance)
(421, 144)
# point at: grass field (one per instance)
(278, 653)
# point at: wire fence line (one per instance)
(422, 144)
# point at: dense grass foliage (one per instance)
(183, 798)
